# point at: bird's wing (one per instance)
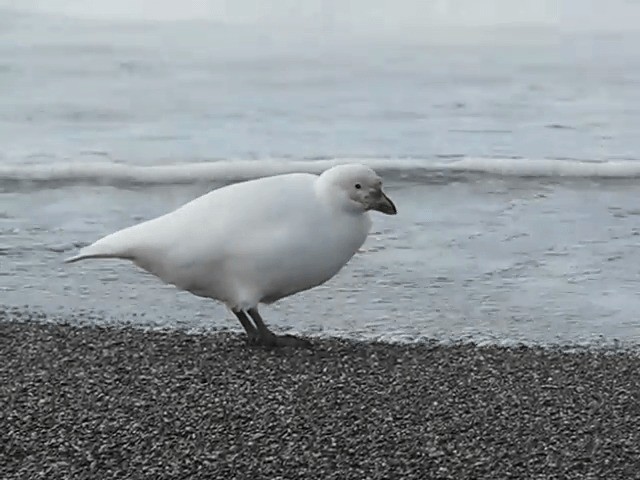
(209, 222)
(239, 217)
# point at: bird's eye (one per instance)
(358, 186)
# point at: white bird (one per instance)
(256, 241)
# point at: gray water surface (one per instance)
(548, 258)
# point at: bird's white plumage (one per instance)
(255, 241)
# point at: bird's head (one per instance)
(359, 187)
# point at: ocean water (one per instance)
(513, 156)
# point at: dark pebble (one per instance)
(103, 403)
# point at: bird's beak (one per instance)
(384, 204)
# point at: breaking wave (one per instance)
(119, 174)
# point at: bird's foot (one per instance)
(253, 340)
(284, 341)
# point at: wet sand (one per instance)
(89, 402)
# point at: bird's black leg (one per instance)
(268, 338)
(252, 333)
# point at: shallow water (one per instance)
(513, 165)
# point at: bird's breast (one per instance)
(301, 265)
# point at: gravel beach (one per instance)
(102, 403)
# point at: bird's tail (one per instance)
(120, 244)
(87, 255)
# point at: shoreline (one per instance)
(91, 319)
(105, 402)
